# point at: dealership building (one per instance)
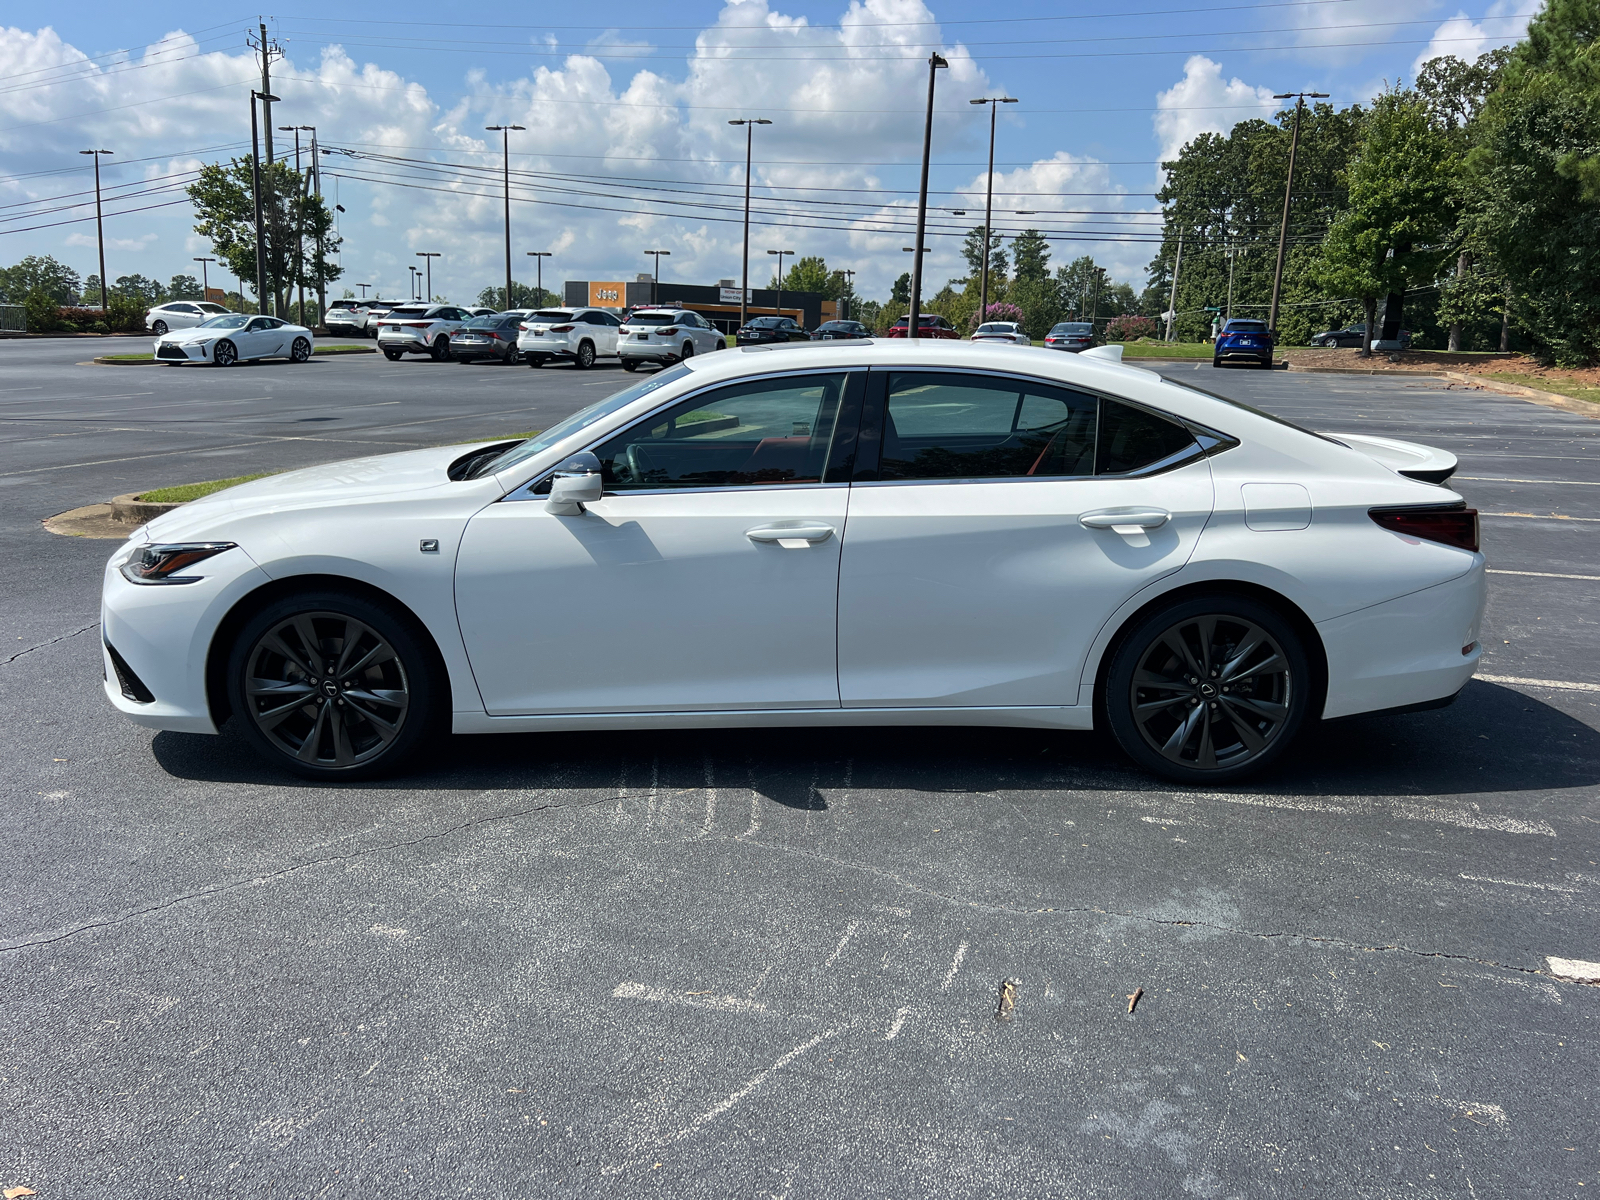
(719, 304)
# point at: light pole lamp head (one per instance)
(267, 96)
(96, 151)
(750, 121)
(937, 60)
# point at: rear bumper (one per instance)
(1407, 651)
(657, 352)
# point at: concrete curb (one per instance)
(131, 510)
(325, 352)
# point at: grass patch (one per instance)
(128, 357)
(345, 350)
(1561, 387)
(1165, 349)
(185, 492)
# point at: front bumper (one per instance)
(1408, 650)
(190, 352)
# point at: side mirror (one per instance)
(575, 483)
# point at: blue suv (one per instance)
(1244, 341)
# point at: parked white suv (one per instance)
(181, 314)
(579, 335)
(355, 318)
(665, 335)
(419, 329)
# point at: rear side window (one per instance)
(947, 426)
(1131, 439)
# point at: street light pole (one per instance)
(849, 290)
(261, 233)
(299, 229)
(99, 220)
(427, 256)
(994, 103)
(365, 286)
(935, 62)
(780, 254)
(749, 124)
(505, 145)
(655, 287)
(205, 280)
(538, 257)
(414, 273)
(1288, 190)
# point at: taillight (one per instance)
(561, 329)
(415, 324)
(668, 331)
(1456, 525)
(523, 328)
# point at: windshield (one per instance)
(231, 321)
(654, 318)
(551, 314)
(582, 419)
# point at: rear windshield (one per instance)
(1246, 327)
(551, 314)
(1072, 327)
(766, 323)
(654, 318)
(493, 322)
(413, 311)
(997, 328)
(342, 304)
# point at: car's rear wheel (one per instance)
(688, 350)
(440, 349)
(332, 686)
(584, 359)
(1208, 689)
(225, 354)
(301, 350)
(159, 328)
(1216, 362)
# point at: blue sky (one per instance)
(627, 146)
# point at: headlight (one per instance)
(160, 564)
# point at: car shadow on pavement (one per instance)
(1494, 739)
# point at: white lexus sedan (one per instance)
(223, 341)
(891, 532)
(1002, 333)
(180, 314)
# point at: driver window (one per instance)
(767, 431)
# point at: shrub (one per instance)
(42, 312)
(1130, 328)
(1001, 311)
(125, 314)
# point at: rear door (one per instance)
(969, 576)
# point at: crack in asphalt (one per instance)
(4, 662)
(258, 880)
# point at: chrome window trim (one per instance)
(525, 492)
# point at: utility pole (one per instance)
(427, 256)
(99, 220)
(261, 233)
(1172, 303)
(780, 254)
(994, 103)
(299, 230)
(849, 290)
(1094, 308)
(268, 51)
(655, 286)
(1288, 191)
(538, 257)
(1233, 253)
(322, 283)
(935, 62)
(749, 124)
(505, 145)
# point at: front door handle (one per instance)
(1125, 521)
(791, 537)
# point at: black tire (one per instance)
(513, 356)
(1230, 704)
(300, 351)
(225, 354)
(159, 328)
(1215, 363)
(392, 355)
(630, 364)
(440, 350)
(584, 358)
(688, 351)
(535, 360)
(351, 724)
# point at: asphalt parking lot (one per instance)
(747, 965)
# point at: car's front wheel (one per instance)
(225, 354)
(301, 350)
(333, 686)
(1208, 689)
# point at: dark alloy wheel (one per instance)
(332, 686)
(688, 351)
(225, 354)
(1208, 689)
(584, 359)
(159, 328)
(441, 349)
(301, 350)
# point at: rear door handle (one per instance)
(1125, 520)
(791, 537)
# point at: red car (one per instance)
(929, 325)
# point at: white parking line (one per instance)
(1543, 574)
(1561, 482)
(1575, 968)
(1558, 684)
(955, 966)
(1540, 517)
(640, 991)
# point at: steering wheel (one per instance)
(639, 465)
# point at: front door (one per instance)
(705, 579)
(968, 578)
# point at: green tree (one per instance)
(137, 287)
(900, 294)
(184, 287)
(522, 296)
(1537, 166)
(40, 273)
(811, 274)
(1030, 256)
(298, 227)
(972, 251)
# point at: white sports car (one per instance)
(928, 533)
(224, 341)
(1002, 333)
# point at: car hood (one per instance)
(354, 481)
(181, 337)
(1426, 463)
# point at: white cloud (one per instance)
(1202, 102)
(1464, 38)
